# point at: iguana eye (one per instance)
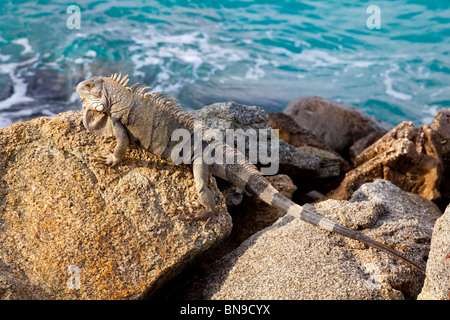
(88, 85)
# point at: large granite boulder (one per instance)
(73, 229)
(437, 281)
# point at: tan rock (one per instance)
(404, 156)
(441, 125)
(290, 132)
(439, 133)
(337, 125)
(73, 229)
(363, 143)
(437, 281)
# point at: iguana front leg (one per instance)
(121, 135)
(201, 173)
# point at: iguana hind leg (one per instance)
(201, 173)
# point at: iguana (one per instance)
(132, 114)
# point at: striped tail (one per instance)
(246, 176)
(271, 196)
(317, 220)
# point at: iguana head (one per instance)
(96, 103)
(97, 95)
(93, 93)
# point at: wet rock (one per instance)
(310, 263)
(247, 92)
(337, 125)
(49, 85)
(6, 87)
(73, 229)
(437, 281)
(404, 156)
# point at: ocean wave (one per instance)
(12, 69)
(268, 53)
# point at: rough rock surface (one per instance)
(300, 164)
(337, 125)
(309, 263)
(253, 215)
(438, 132)
(437, 281)
(405, 156)
(73, 229)
(363, 143)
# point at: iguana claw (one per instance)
(109, 160)
(199, 215)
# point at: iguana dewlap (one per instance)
(110, 107)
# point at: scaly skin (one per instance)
(110, 107)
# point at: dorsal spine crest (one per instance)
(163, 100)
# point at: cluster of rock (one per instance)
(73, 229)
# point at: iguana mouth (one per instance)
(94, 104)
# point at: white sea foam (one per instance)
(25, 44)
(19, 94)
(19, 85)
(430, 112)
(319, 58)
(192, 51)
(5, 120)
(256, 72)
(391, 92)
(389, 82)
(91, 54)
(439, 91)
(4, 58)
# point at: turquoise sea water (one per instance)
(254, 52)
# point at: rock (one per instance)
(310, 263)
(6, 87)
(438, 133)
(253, 215)
(363, 143)
(73, 229)
(403, 157)
(441, 126)
(304, 165)
(290, 132)
(437, 280)
(49, 85)
(337, 125)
